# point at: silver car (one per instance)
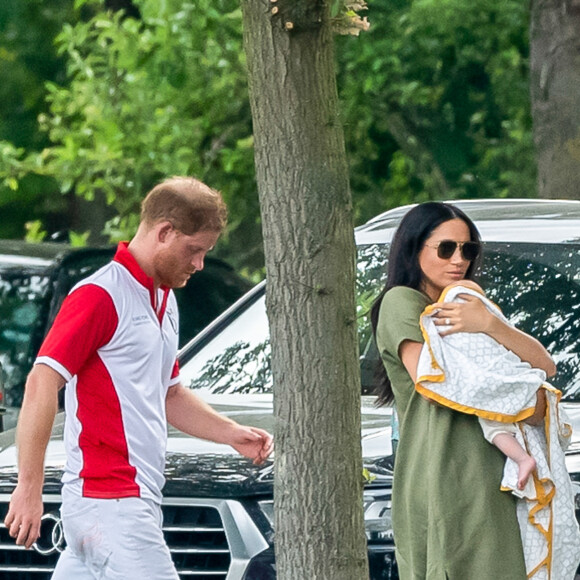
(218, 507)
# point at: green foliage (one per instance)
(434, 98)
(436, 102)
(368, 477)
(27, 60)
(146, 99)
(79, 239)
(34, 232)
(12, 166)
(346, 16)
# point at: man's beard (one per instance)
(170, 271)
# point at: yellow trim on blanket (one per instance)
(440, 377)
(431, 307)
(492, 416)
(427, 339)
(544, 488)
(545, 498)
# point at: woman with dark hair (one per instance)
(450, 519)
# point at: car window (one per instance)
(535, 285)
(236, 360)
(537, 288)
(206, 295)
(74, 268)
(31, 292)
(21, 299)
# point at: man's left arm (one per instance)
(188, 413)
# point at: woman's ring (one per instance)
(447, 322)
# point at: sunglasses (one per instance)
(446, 249)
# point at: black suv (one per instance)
(218, 507)
(35, 278)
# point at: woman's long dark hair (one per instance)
(404, 270)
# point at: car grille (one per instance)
(197, 541)
(194, 531)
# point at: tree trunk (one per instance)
(555, 93)
(310, 266)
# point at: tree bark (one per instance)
(555, 94)
(310, 266)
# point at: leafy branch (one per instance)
(346, 19)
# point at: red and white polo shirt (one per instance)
(115, 343)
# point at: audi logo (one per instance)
(51, 538)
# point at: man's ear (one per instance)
(163, 229)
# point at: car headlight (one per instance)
(377, 512)
(262, 567)
(576, 491)
(377, 515)
(267, 507)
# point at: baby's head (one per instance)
(468, 284)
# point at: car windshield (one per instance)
(22, 294)
(535, 285)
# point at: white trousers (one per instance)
(113, 539)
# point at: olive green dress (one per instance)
(450, 519)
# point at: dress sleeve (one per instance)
(86, 321)
(399, 316)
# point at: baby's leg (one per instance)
(510, 447)
(502, 435)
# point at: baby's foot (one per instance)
(526, 467)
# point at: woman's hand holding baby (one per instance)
(468, 316)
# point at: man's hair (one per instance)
(190, 205)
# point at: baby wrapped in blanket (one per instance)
(473, 373)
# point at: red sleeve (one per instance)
(86, 321)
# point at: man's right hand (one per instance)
(23, 517)
(39, 408)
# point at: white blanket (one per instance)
(474, 374)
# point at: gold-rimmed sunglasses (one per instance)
(446, 249)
